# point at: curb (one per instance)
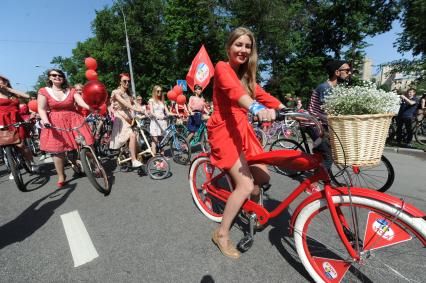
(405, 150)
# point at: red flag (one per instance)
(201, 70)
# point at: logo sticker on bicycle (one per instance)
(381, 227)
(333, 269)
(329, 270)
(382, 232)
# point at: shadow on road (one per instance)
(33, 217)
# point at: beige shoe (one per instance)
(229, 250)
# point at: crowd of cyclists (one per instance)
(230, 134)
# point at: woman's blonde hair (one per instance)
(247, 71)
(154, 93)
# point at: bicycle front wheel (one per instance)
(201, 174)
(14, 168)
(180, 149)
(158, 168)
(379, 178)
(389, 241)
(94, 171)
(261, 136)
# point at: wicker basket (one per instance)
(362, 138)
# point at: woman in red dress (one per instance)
(9, 114)
(231, 137)
(56, 106)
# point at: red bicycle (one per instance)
(376, 237)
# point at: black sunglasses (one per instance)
(346, 70)
(125, 81)
(56, 75)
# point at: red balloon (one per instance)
(91, 63)
(32, 104)
(103, 109)
(91, 75)
(178, 89)
(181, 99)
(95, 94)
(171, 95)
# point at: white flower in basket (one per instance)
(359, 118)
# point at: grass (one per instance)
(415, 145)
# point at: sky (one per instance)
(35, 31)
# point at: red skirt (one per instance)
(229, 138)
(55, 141)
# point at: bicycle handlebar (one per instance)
(301, 117)
(17, 124)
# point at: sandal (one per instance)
(229, 250)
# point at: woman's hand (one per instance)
(266, 115)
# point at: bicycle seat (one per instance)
(287, 159)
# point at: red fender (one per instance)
(368, 193)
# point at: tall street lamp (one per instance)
(132, 81)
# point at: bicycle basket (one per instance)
(9, 137)
(358, 139)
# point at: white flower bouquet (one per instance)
(359, 118)
(360, 100)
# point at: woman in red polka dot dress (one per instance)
(56, 106)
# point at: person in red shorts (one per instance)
(56, 106)
(232, 139)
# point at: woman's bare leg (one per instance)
(154, 145)
(244, 186)
(132, 146)
(58, 160)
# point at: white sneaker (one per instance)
(11, 176)
(43, 157)
(136, 163)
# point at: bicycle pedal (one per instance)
(245, 243)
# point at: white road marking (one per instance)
(82, 249)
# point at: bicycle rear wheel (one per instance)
(180, 149)
(420, 132)
(14, 168)
(379, 178)
(201, 174)
(158, 168)
(94, 171)
(286, 144)
(389, 241)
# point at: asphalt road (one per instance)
(150, 231)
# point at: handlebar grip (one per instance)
(47, 125)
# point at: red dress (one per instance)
(63, 115)
(229, 130)
(9, 114)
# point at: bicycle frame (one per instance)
(149, 151)
(300, 161)
(321, 174)
(80, 140)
